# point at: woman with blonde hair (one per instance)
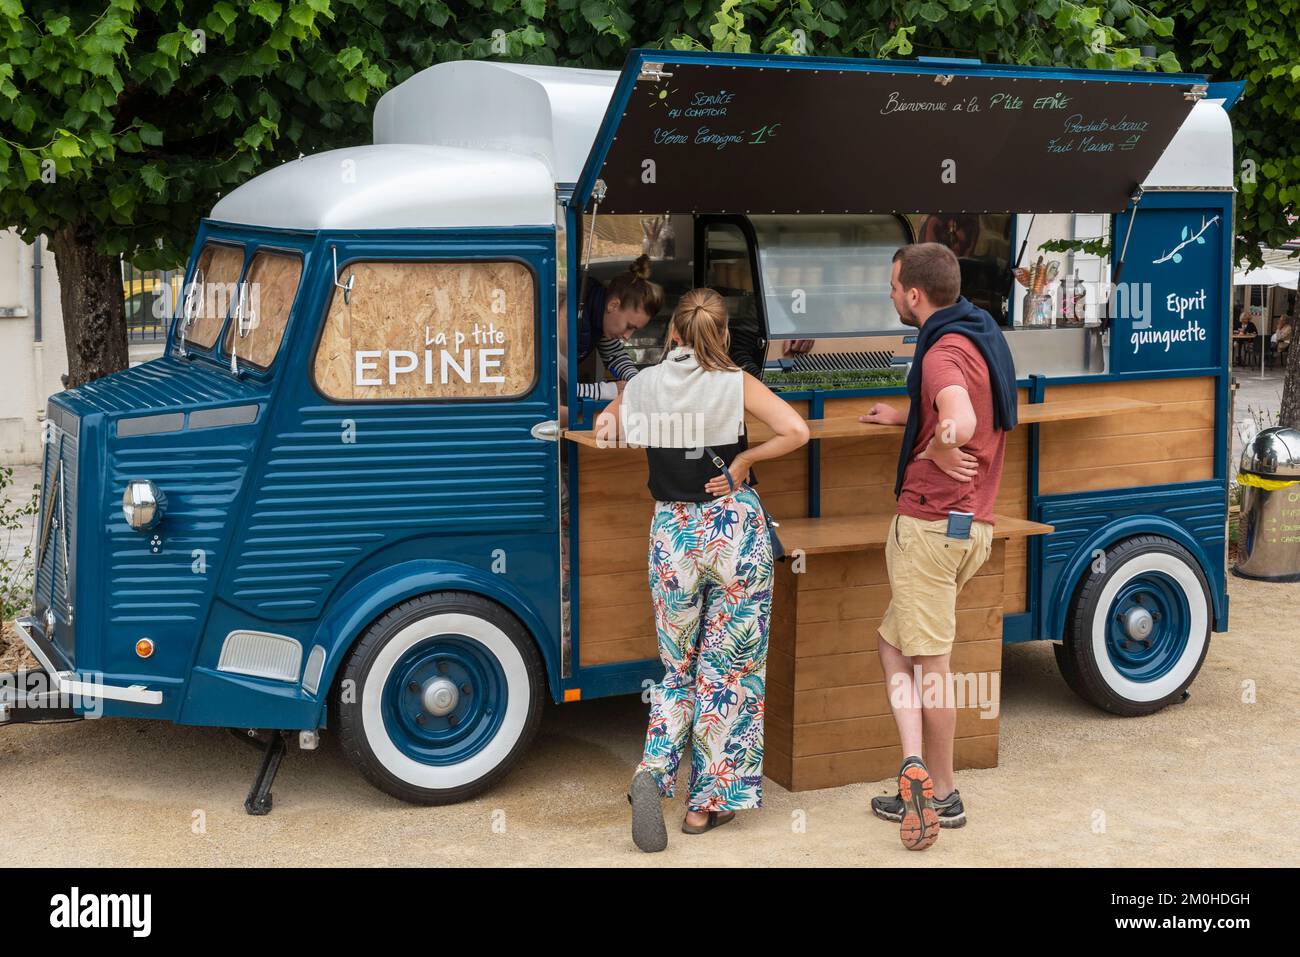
(711, 556)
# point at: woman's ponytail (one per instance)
(700, 321)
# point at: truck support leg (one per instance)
(258, 801)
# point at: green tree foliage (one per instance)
(1257, 41)
(122, 122)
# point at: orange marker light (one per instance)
(144, 648)
(572, 694)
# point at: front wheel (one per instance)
(440, 698)
(1139, 628)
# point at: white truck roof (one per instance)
(396, 186)
(548, 112)
(468, 143)
(477, 143)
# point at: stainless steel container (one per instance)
(1269, 533)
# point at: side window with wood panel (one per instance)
(213, 288)
(429, 330)
(255, 333)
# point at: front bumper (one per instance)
(70, 682)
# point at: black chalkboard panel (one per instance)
(737, 139)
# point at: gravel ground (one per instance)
(1190, 786)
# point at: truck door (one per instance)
(414, 426)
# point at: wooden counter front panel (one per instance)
(858, 476)
(615, 616)
(1172, 443)
(828, 717)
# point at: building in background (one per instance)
(33, 353)
(33, 357)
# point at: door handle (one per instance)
(547, 431)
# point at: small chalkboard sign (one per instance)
(765, 138)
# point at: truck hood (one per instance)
(165, 384)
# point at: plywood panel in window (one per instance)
(422, 330)
(214, 285)
(272, 283)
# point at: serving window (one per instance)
(1058, 298)
(262, 310)
(828, 275)
(429, 330)
(616, 242)
(211, 292)
(821, 314)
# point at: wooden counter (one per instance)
(848, 426)
(828, 721)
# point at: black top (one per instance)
(679, 475)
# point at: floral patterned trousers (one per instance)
(711, 582)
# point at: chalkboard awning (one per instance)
(736, 133)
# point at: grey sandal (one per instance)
(648, 830)
(716, 819)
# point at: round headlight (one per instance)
(142, 504)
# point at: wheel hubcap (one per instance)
(444, 700)
(1138, 624)
(440, 696)
(1150, 621)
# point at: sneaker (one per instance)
(950, 810)
(919, 827)
(887, 808)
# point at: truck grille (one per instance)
(56, 531)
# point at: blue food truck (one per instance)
(358, 495)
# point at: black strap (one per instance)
(722, 467)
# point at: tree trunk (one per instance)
(90, 291)
(1289, 415)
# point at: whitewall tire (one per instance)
(1138, 628)
(440, 697)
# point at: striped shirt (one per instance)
(616, 359)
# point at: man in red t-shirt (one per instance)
(954, 466)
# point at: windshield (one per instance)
(260, 316)
(211, 291)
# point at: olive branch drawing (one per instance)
(1199, 237)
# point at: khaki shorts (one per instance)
(927, 569)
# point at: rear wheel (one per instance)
(440, 697)
(1138, 630)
